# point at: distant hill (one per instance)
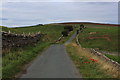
(89, 23)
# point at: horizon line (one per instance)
(66, 22)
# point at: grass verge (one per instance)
(89, 65)
(14, 61)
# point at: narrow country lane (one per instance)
(53, 63)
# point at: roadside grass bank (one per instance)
(100, 37)
(115, 58)
(14, 61)
(89, 65)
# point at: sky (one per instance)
(61, 0)
(18, 13)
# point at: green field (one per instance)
(101, 37)
(53, 32)
(115, 58)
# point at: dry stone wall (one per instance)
(93, 51)
(10, 40)
(99, 54)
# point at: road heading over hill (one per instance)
(53, 63)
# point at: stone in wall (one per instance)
(10, 40)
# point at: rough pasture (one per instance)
(103, 38)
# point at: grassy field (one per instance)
(53, 32)
(115, 58)
(101, 37)
(89, 65)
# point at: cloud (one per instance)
(3, 19)
(61, 1)
(29, 13)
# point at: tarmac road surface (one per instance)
(53, 63)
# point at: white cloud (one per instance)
(28, 13)
(60, 0)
